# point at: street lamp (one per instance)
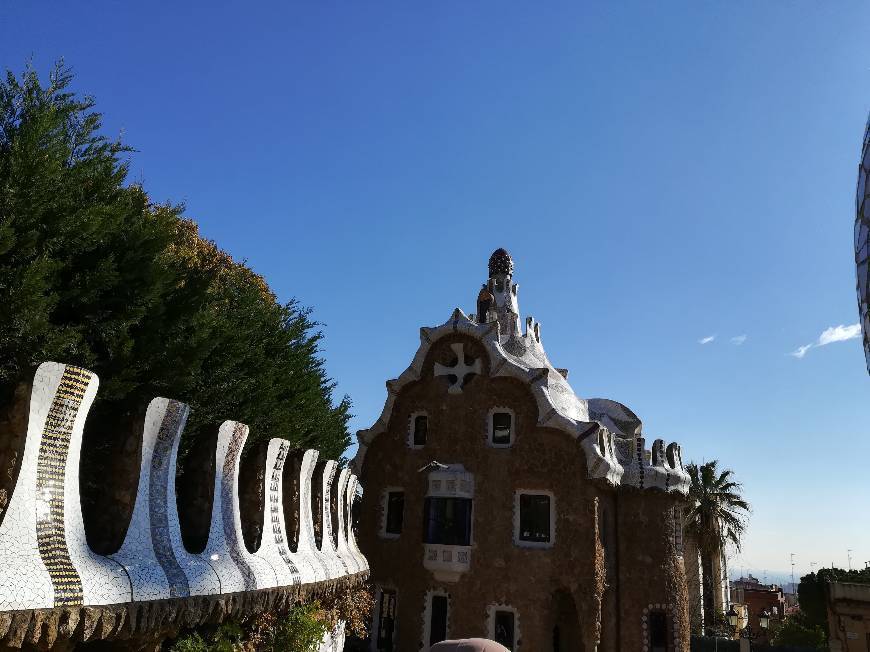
(733, 617)
(747, 632)
(764, 619)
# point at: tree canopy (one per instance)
(812, 597)
(96, 274)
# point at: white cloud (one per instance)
(839, 334)
(707, 340)
(830, 335)
(738, 339)
(801, 351)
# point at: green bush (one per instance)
(300, 630)
(93, 273)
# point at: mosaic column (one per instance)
(273, 543)
(343, 551)
(361, 562)
(314, 568)
(45, 555)
(153, 553)
(237, 569)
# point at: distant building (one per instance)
(848, 617)
(499, 504)
(758, 597)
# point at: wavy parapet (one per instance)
(658, 468)
(49, 571)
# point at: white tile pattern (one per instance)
(47, 562)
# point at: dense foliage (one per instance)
(93, 273)
(811, 593)
(796, 631)
(716, 517)
(301, 629)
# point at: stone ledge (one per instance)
(143, 625)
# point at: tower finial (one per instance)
(500, 263)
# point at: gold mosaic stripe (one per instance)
(51, 466)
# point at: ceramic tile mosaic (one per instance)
(237, 569)
(42, 539)
(46, 559)
(273, 543)
(314, 569)
(153, 554)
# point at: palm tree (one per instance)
(716, 517)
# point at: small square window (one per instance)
(504, 628)
(535, 523)
(421, 430)
(395, 512)
(502, 428)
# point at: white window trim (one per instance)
(382, 530)
(376, 616)
(490, 622)
(489, 426)
(427, 615)
(534, 544)
(410, 439)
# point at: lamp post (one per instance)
(747, 634)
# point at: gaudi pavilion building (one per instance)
(499, 504)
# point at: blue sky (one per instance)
(661, 173)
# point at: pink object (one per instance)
(468, 645)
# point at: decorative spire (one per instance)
(500, 263)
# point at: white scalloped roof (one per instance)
(616, 455)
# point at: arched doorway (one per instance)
(566, 623)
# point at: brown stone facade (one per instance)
(614, 570)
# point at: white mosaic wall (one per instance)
(47, 562)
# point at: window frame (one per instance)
(490, 424)
(385, 505)
(522, 543)
(411, 429)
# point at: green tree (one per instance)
(93, 273)
(716, 517)
(812, 593)
(796, 631)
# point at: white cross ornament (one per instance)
(460, 370)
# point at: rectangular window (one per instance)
(504, 628)
(438, 620)
(448, 521)
(395, 512)
(386, 620)
(502, 423)
(534, 518)
(421, 429)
